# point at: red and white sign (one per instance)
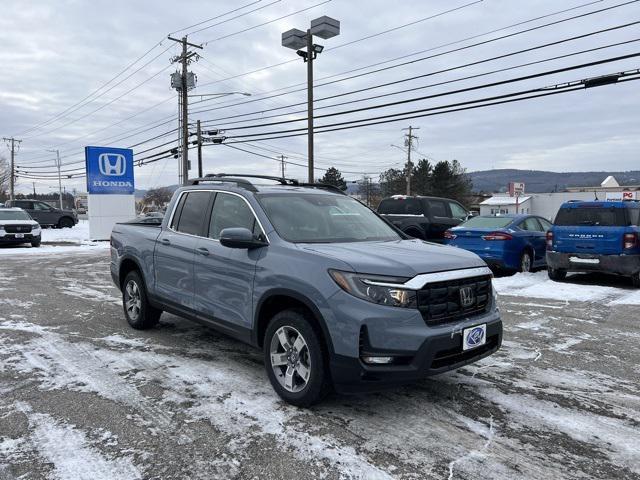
(619, 196)
(516, 189)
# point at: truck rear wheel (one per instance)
(137, 310)
(295, 360)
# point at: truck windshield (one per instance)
(487, 222)
(594, 216)
(322, 218)
(14, 215)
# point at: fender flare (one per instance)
(299, 297)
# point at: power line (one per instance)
(442, 45)
(427, 97)
(264, 23)
(214, 18)
(261, 117)
(323, 129)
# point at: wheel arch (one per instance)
(279, 299)
(127, 265)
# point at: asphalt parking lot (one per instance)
(84, 396)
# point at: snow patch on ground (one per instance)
(71, 454)
(538, 285)
(77, 234)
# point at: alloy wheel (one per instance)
(290, 359)
(133, 301)
(525, 264)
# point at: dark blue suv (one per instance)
(595, 237)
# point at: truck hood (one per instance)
(401, 258)
(33, 223)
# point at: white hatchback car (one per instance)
(17, 226)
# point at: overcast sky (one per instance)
(55, 54)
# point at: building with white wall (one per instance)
(546, 205)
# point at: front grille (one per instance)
(17, 228)
(441, 303)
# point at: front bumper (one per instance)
(619, 264)
(364, 329)
(10, 238)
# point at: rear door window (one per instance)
(592, 216)
(531, 225)
(400, 206)
(546, 225)
(438, 208)
(192, 215)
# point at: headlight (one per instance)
(35, 229)
(366, 287)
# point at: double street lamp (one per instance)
(323, 27)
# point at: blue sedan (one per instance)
(505, 242)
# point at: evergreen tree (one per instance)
(421, 178)
(333, 177)
(393, 182)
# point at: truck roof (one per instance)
(601, 204)
(259, 184)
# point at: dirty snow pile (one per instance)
(576, 288)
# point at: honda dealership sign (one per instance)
(111, 187)
(109, 170)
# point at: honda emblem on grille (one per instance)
(467, 298)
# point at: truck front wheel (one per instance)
(295, 360)
(137, 310)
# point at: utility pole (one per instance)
(59, 178)
(185, 60)
(199, 134)
(282, 157)
(409, 142)
(11, 143)
(34, 189)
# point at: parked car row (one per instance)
(21, 221)
(45, 214)
(585, 237)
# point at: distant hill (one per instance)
(538, 181)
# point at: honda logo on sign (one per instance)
(112, 164)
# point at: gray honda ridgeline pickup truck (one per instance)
(333, 294)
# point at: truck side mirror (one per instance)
(240, 238)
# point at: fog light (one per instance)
(377, 360)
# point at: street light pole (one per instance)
(324, 27)
(310, 104)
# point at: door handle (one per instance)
(202, 251)
(165, 241)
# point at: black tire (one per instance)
(313, 354)
(143, 316)
(556, 274)
(526, 262)
(65, 222)
(635, 280)
(35, 243)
